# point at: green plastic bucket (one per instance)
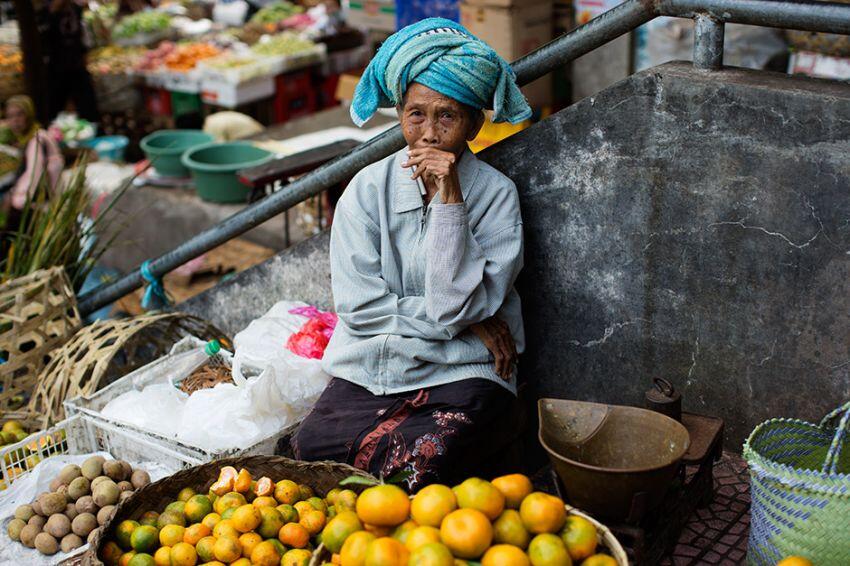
(214, 168)
(165, 148)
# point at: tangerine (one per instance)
(515, 488)
(270, 522)
(288, 513)
(504, 555)
(211, 520)
(383, 505)
(475, 493)
(111, 553)
(579, 536)
(548, 550)
(170, 535)
(431, 505)
(126, 557)
(242, 483)
(264, 487)
(346, 499)
(794, 561)
(162, 556)
(197, 507)
(542, 513)
(339, 528)
(204, 548)
(402, 531)
(386, 551)
(294, 535)
(248, 541)
(186, 494)
(353, 551)
(431, 554)
(421, 536)
(286, 491)
(144, 539)
(508, 529)
(225, 529)
(227, 501)
(195, 533)
(226, 478)
(264, 501)
(227, 549)
(246, 518)
(265, 554)
(605, 560)
(296, 557)
(183, 554)
(467, 533)
(313, 520)
(141, 559)
(123, 533)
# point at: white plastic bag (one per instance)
(37, 481)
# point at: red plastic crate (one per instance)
(158, 101)
(294, 96)
(326, 87)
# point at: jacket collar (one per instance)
(406, 191)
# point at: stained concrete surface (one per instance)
(692, 226)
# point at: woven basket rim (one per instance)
(751, 455)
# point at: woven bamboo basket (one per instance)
(38, 314)
(106, 350)
(321, 476)
(826, 43)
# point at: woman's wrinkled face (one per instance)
(16, 118)
(430, 119)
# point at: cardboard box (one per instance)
(514, 32)
(346, 85)
(371, 14)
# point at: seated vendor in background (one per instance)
(425, 248)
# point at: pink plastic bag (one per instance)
(312, 339)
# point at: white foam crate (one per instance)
(302, 59)
(257, 67)
(229, 95)
(124, 440)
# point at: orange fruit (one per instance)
(305, 491)
(345, 499)
(302, 507)
(353, 551)
(246, 518)
(211, 520)
(172, 517)
(149, 518)
(794, 561)
(227, 501)
(204, 548)
(330, 497)
(296, 557)
(186, 494)
(243, 480)
(504, 555)
(227, 549)
(270, 522)
(386, 551)
(170, 535)
(605, 560)
(515, 488)
(294, 535)
(430, 506)
(421, 536)
(195, 533)
(579, 536)
(228, 513)
(197, 507)
(226, 478)
(126, 557)
(402, 531)
(265, 554)
(288, 513)
(475, 493)
(548, 550)
(431, 554)
(225, 529)
(508, 529)
(264, 487)
(467, 533)
(123, 533)
(286, 491)
(141, 559)
(318, 504)
(264, 501)
(542, 513)
(111, 553)
(383, 505)
(313, 521)
(339, 528)
(241, 562)
(183, 554)
(162, 556)
(144, 539)
(248, 541)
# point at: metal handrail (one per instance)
(711, 15)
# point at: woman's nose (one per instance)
(429, 133)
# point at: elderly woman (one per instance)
(40, 155)
(425, 248)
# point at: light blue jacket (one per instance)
(409, 280)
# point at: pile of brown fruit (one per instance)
(81, 499)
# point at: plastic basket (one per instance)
(800, 489)
(122, 440)
(66, 437)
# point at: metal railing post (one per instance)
(708, 43)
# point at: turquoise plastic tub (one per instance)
(165, 148)
(108, 148)
(214, 168)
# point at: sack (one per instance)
(800, 490)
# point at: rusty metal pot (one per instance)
(614, 462)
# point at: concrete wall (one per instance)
(684, 225)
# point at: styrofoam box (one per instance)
(229, 95)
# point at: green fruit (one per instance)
(178, 506)
(142, 559)
(171, 518)
(144, 539)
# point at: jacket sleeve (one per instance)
(362, 298)
(468, 277)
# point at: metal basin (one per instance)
(614, 462)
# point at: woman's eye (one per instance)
(447, 116)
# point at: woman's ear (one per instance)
(475, 126)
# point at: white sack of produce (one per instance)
(273, 388)
(36, 482)
(157, 408)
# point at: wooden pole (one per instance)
(31, 27)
